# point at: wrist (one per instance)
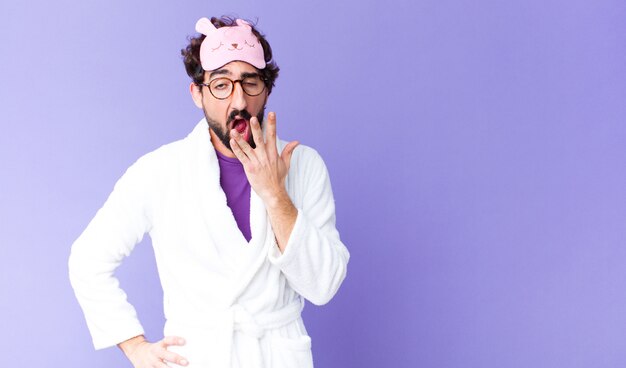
(277, 199)
(130, 345)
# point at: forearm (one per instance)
(282, 214)
(110, 317)
(315, 260)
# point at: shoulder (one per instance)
(303, 155)
(159, 158)
(307, 168)
(176, 152)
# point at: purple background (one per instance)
(476, 150)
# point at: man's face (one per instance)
(233, 112)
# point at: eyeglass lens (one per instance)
(223, 87)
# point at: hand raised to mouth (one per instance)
(266, 171)
(265, 168)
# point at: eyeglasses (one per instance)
(222, 88)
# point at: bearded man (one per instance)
(242, 225)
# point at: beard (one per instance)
(224, 136)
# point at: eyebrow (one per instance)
(227, 72)
(219, 72)
(248, 75)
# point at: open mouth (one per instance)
(242, 126)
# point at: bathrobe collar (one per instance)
(241, 257)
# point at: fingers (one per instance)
(173, 357)
(239, 152)
(287, 152)
(270, 133)
(257, 134)
(172, 340)
(170, 356)
(249, 151)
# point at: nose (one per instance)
(238, 100)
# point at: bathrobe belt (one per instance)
(251, 327)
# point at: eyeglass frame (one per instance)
(232, 82)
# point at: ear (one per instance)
(196, 95)
(204, 26)
(241, 22)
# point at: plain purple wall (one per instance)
(476, 148)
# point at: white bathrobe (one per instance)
(236, 303)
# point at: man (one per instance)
(242, 225)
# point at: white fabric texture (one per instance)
(237, 304)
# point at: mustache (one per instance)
(243, 113)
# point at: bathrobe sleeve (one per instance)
(315, 260)
(112, 234)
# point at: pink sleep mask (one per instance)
(225, 44)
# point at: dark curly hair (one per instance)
(191, 54)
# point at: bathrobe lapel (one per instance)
(241, 257)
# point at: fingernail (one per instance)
(181, 341)
(272, 115)
(183, 362)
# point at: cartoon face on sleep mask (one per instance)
(226, 44)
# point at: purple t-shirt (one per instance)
(235, 185)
